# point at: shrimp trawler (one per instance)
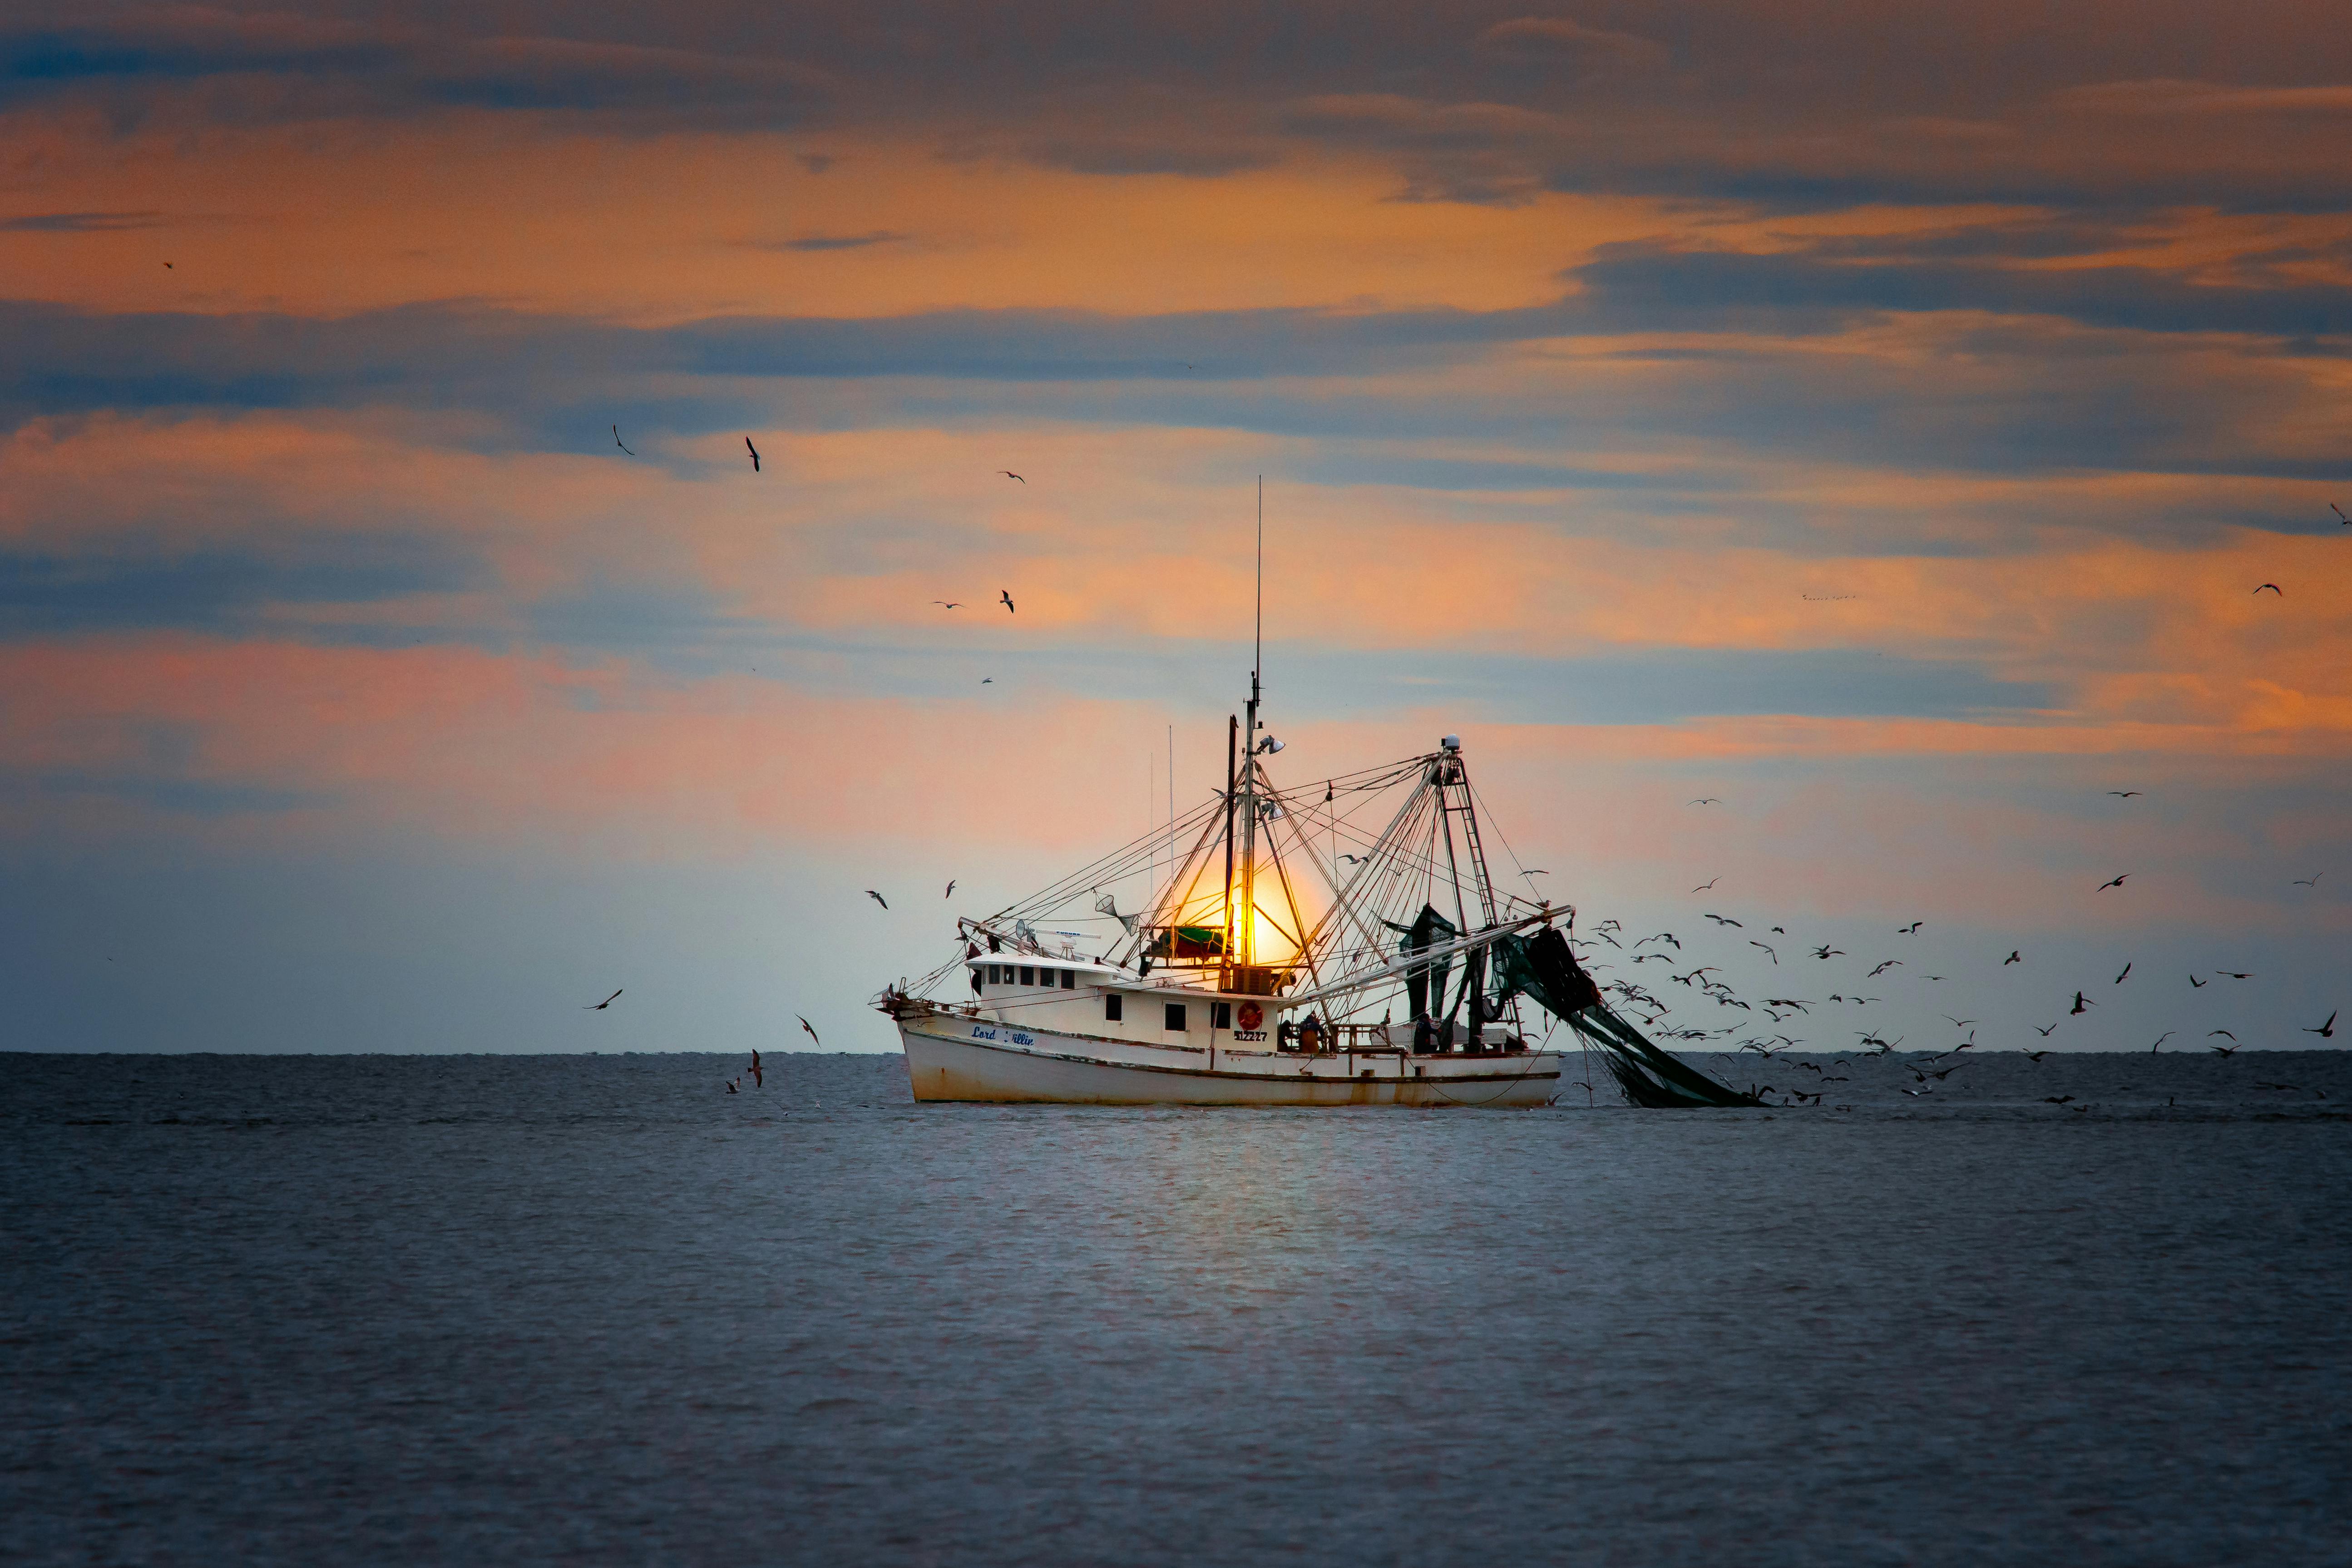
(1342, 942)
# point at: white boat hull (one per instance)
(954, 1056)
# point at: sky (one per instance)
(1878, 420)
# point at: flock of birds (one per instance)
(1707, 981)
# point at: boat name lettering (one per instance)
(1249, 1034)
(980, 1033)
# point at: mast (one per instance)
(1249, 760)
(1225, 958)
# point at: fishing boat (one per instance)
(1339, 942)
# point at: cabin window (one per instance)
(1220, 1014)
(1028, 976)
(1176, 1016)
(1069, 981)
(1114, 1007)
(1000, 972)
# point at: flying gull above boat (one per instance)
(1702, 887)
(2116, 883)
(877, 898)
(810, 1028)
(2124, 794)
(2326, 1031)
(1006, 596)
(601, 1006)
(2274, 588)
(618, 442)
(1008, 474)
(755, 468)
(2012, 958)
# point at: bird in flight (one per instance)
(877, 898)
(1702, 887)
(167, 267)
(1354, 860)
(2223, 1050)
(2057, 1099)
(601, 1006)
(987, 680)
(2120, 979)
(1708, 800)
(2045, 1033)
(2310, 881)
(1826, 950)
(1776, 957)
(2233, 974)
(759, 1079)
(755, 468)
(2331, 505)
(618, 442)
(949, 603)
(1882, 969)
(1911, 930)
(2223, 1033)
(1957, 1022)
(2080, 1006)
(810, 1028)
(951, 892)
(2124, 793)
(2196, 984)
(1006, 595)
(1008, 474)
(1723, 920)
(2274, 588)
(2116, 883)
(2012, 958)
(2161, 1039)
(2036, 1056)
(2326, 1031)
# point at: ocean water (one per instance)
(368, 1309)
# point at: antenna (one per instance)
(1257, 659)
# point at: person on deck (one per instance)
(1425, 1036)
(1310, 1034)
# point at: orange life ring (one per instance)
(1251, 1016)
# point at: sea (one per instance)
(337, 1309)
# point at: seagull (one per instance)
(2272, 587)
(1776, 957)
(1723, 920)
(810, 1028)
(2223, 1050)
(877, 898)
(2116, 883)
(1008, 474)
(2331, 505)
(951, 892)
(730, 1083)
(1355, 859)
(1702, 887)
(1782, 930)
(1911, 930)
(2310, 881)
(2161, 1039)
(1956, 1023)
(2233, 974)
(949, 603)
(1826, 950)
(1708, 800)
(2012, 958)
(2034, 1056)
(759, 1079)
(2120, 979)
(2056, 1098)
(1006, 595)
(987, 680)
(601, 1006)
(1882, 969)
(755, 468)
(2124, 793)
(618, 442)
(2223, 1033)
(2196, 984)
(2326, 1031)
(2080, 1006)
(2043, 1032)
